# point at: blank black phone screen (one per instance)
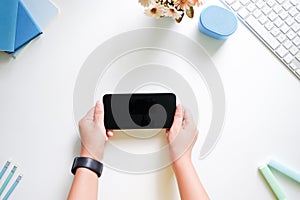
(139, 110)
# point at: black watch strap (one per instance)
(88, 163)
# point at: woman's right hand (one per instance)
(182, 135)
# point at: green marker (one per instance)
(8, 179)
(271, 180)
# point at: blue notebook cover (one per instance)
(8, 23)
(27, 29)
(42, 11)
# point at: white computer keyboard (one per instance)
(276, 23)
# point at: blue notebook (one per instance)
(42, 11)
(27, 29)
(8, 24)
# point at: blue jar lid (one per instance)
(217, 22)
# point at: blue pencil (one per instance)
(12, 188)
(8, 179)
(4, 169)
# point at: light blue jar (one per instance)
(217, 22)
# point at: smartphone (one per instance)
(139, 110)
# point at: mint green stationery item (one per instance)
(272, 182)
(285, 170)
(8, 179)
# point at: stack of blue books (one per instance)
(21, 21)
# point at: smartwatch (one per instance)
(89, 163)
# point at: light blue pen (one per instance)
(285, 170)
(4, 169)
(8, 179)
(12, 188)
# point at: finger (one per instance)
(90, 114)
(99, 113)
(178, 117)
(187, 116)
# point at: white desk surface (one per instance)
(36, 118)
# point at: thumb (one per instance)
(178, 117)
(99, 113)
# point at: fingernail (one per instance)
(110, 133)
(98, 103)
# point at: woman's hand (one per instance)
(93, 133)
(182, 135)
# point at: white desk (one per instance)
(37, 126)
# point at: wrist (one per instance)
(182, 161)
(84, 153)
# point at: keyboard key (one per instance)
(275, 31)
(287, 5)
(294, 50)
(289, 21)
(236, 6)
(277, 8)
(295, 27)
(287, 44)
(298, 56)
(281, 51)
(260, 30)
(244, 2)
(281, 37)
(297, 18)
(278, 22)
(230, 1)
(272, 16)
(262, 19)
(294, 2)
(283, 14)
(251, 7)
(293, 11)
(288, 58)
(284, 28)
(271, 3)
(291, 34)
(243, 12)
(266, 10)
(256, 13)
(280, 1)
(296, 41)
(297, 72)
(260, 4)
(294, 65)
(269, 26)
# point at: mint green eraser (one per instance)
(272, 182)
